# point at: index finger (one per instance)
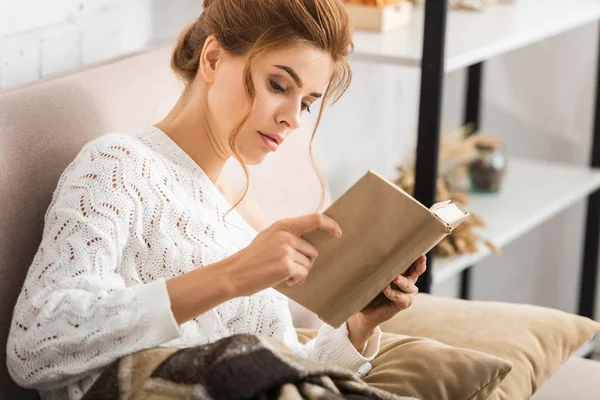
(311, 222)
(417, 268)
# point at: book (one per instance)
(384, 231)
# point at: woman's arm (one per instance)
(348, 346)
(75, 313)
(254, 215)
(200, 290)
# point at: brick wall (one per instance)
(43, 37)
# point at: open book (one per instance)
(385, 231)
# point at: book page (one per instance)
(449, 213)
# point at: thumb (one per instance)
(311, 222)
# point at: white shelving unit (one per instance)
(533, 191)
(521, 206)
(472, 37)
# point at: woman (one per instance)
(141, 248)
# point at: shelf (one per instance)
(472, 37)
(532, 192)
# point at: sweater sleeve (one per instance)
(333, 347)
(75, 314)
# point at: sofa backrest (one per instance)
(44, 125)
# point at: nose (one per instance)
(290, 117)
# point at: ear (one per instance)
(210, 58)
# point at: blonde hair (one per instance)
(251, 28)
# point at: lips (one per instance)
(269, 143)
(276, 137)
(271, 140)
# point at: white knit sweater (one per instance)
(130, 212)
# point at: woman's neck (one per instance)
(187, 125)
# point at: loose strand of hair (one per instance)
(250, 92)
(311, 152)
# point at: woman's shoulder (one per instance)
(102, 164)
(119, 151)
(116, 146)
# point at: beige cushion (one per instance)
(535, 340)
(427, 369)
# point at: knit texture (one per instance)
(130, 212)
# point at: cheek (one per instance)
(228, 103)
(265, 107)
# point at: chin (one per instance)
(254, 159)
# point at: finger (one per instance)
(404, 302)
(302, 260)
(290, 282)
(388, 292)
(305, 248)
(417, 268)
(400, 300)
(307, 261)
(295, 281)
(299, 273)
(311, 222)
(406, 285)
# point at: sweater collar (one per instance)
(166, 147)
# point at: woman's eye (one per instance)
(276, 87)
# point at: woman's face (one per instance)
(287, 83)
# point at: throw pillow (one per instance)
(536, 340)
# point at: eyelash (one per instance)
(278, 89)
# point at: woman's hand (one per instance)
(278, 254)
(386, 305)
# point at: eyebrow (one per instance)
(296, 78)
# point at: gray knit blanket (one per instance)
(236, 367)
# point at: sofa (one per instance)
(42, 127)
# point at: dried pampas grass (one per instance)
(457, 150)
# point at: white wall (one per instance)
(538, 98)
(42, 37)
